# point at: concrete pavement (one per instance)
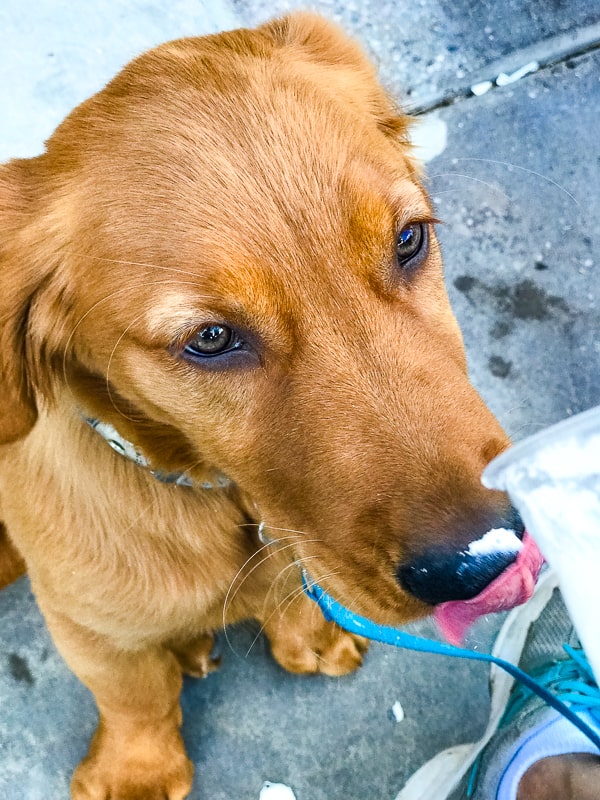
(516, 185)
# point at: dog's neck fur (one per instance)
(128, 450)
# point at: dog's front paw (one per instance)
(93, 782)
(136, 770)
(307, 643)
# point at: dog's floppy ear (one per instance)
(18, 282)
(317, 41)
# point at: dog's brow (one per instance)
(174, 309)
(410, 202)
(407, 199)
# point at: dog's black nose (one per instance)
(440, 574)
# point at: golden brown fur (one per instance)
(257, 178)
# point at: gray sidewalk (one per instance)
(517, 187)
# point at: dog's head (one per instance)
(228, 254)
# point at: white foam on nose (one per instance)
(496, 540)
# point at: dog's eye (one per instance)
(411, 242)
(213, 340)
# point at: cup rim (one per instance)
(586, 421)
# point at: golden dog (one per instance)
(225, 264)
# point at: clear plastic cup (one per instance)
(553, 478)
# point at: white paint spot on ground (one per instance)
(429, 136)
(398, 711)
(503, 79)
(498, 540)
(481, 88)
(276, 791)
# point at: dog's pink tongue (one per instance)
(513, 587)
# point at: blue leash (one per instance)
(354, 623)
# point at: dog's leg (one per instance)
(12, 565)
(137, 752)
(302, 641)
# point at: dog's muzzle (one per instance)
(442, 574)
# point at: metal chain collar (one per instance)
(128, 450)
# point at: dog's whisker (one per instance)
(512, 410)
(126, 263)
(297, 564)
(228, 600)
(119, 291)
(512, 165)
(325, 576)
(97, 304)
(142, 514)
(293, 565)
(492, 186)
(532, 426)
(108, 366)
(301, 564)
(290, 597)
(296, 592)
(291, 530)
(266, 552)
(456, 190)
